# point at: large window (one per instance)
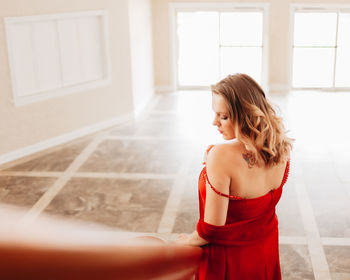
(321, 50)
(213, 44)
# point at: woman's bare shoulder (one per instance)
(226, 154)
(225, 165)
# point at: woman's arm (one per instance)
(216, 206)
(215, 211)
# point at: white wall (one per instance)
(30, 128)
(140, 19)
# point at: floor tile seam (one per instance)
(343, 275)
(129, 207)
(61, 181)
(31, 173)
(295, 240)
(173, 203)
(126, 137)
(314, 242)
(116, 175)
(335, 241)
(326, 241)
(171, 207)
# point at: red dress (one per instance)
(246, 247)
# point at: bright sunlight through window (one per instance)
(212, 45)
(321, 53)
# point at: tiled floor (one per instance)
(142, 177)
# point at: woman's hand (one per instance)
(183, 239)
(206, 154)
(191, 239)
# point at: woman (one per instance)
(240, 185)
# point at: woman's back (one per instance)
(247, 182)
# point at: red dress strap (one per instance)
(207, 179)
(218, 192)
(286, 173)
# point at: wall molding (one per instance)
(22, 152)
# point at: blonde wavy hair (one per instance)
(256, 124)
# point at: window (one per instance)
(54, 55)
(214, 42)
(321, 49)
(241, 44)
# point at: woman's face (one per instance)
(221, 118)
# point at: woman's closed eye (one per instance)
(221, 116)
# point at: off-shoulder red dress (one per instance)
(246, 247)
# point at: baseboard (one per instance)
(144, 107)
(164, 88)
(279, 88)
(8, 157)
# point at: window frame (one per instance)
(314, 8)
(219, 7)
(38, 95)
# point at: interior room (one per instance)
(106, 114)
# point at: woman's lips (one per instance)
(220, 131)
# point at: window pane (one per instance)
(313, 67)
(315, 29)
(342, 78)
(241, 60)
(47, 59)
(241, 29)
(90, 37)
(69, 51)
(23, 58)
(198, 35)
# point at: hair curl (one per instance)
(256, 124)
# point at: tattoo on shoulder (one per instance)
(249, 159)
